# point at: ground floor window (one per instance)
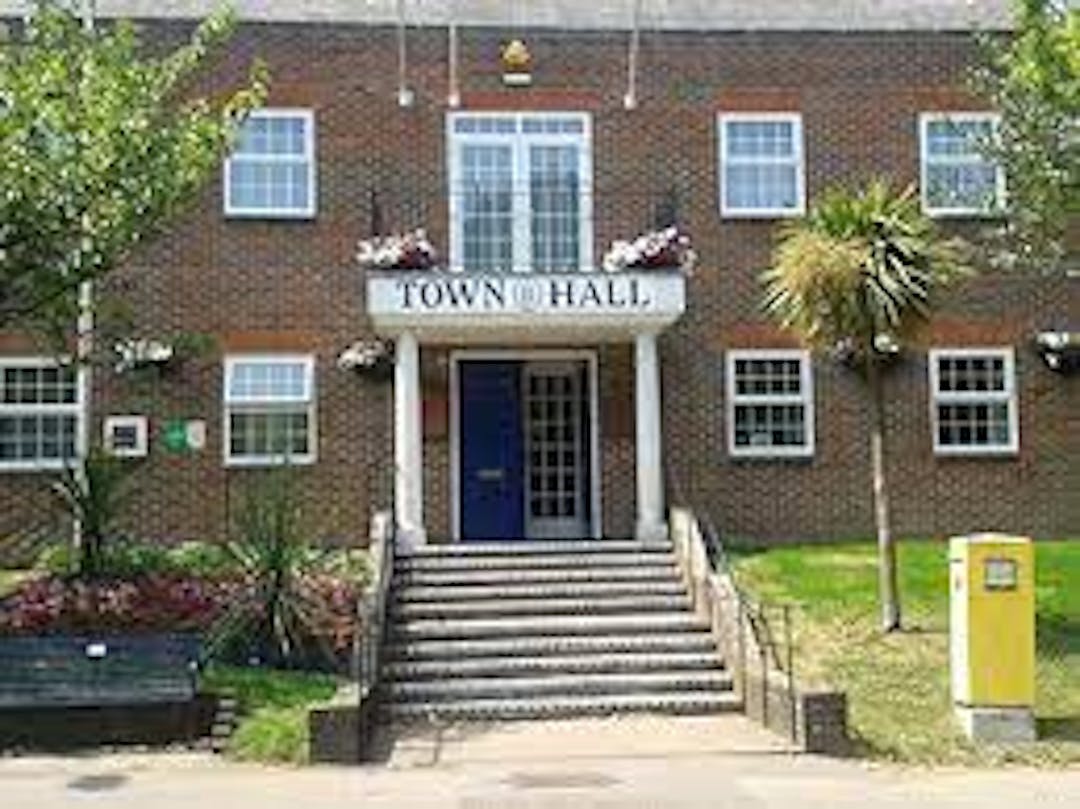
(269, 409)
(770, 403)
(974, 401)
(39, 413)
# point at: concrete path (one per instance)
(720, 763)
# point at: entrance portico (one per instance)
(526, 317)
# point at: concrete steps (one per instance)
(495, 607)
(547, 629)
(543, 590)
(560, 685)
(520, 626)
(566, 707)
(559, 664)
(550, 645)
(437, 577)
(524, 561)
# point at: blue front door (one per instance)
(492, 457)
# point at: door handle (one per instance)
(491, 474)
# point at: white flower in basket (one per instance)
(659, 249)
(363, 355)
(402, 251)
(142, 352)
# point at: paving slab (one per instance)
(686, 763)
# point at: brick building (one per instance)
(533, 394)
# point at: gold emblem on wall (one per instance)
(516, 63)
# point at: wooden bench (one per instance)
(87, 671)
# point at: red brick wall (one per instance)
(294, 286)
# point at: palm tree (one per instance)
(857, 275)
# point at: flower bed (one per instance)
(167, 602)
(153, 603)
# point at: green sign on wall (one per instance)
(179, 436)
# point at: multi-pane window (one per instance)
(973, 401)
(271, 171)
(39, 414)
(770, 403)
(269, 409)
(957, 177)
(520, 192)
(761, 164)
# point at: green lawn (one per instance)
(898, 685)
(273, 707)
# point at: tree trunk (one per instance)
(888, 584)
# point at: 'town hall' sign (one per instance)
(409, 295)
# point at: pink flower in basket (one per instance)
(669, 248)
(401, 251)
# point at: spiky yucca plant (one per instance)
(859, 272)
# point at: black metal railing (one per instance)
(765, 631)
(372, 611)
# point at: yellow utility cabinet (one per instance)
(992, 635)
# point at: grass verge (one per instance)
(898, 684)
(273, 710)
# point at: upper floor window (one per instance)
(269, 409)
(520, 191)
(271, 171)
(770, 403)
(973, 404)
(39, 414)
(761, 164)
(957, 178)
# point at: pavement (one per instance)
(716, 762)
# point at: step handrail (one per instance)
(372, 608)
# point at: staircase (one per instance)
(527, 629)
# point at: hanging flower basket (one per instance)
(372, 358)
(887, 350)
(402, 251)
(139, 353)
(665, 249)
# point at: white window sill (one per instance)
(962, 213)
(269, 461)
(762, 213)
(977, 452)
(772, 453)
(17, 467)
(262, 213)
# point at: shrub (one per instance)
(204, 559)
(126, 559)
(93, 494)
(154, 603)
(304, 609)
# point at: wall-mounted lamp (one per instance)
(1060, 350)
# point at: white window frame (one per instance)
(111, 424)
(927, 118)
(75, 408)
(804, 398)
(522, 259)
(307, 212)
(262, 405)
(798, 134)
(1008, 396)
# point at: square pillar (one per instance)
(408, 444)
(651, 525)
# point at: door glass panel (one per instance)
(556, 495)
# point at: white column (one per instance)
(650, 476)
(408, 444)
